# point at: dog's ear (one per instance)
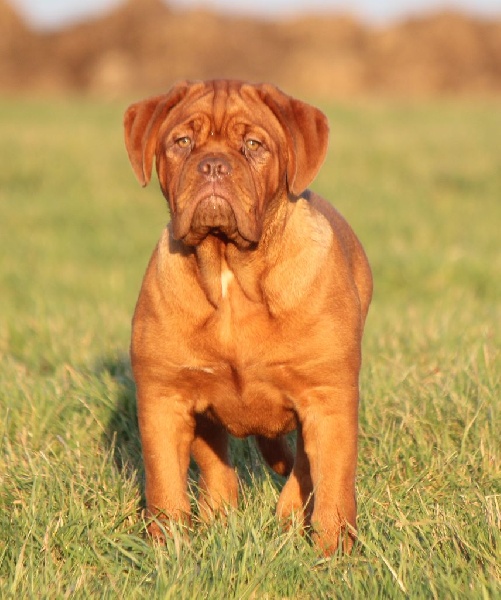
(307, 132)
(142, 122)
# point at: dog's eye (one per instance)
(184, 142)
(252, 145)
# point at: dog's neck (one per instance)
(219, 260)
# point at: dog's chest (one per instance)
(227, 278)
(247, 381)
(238, 327)
(251, 398)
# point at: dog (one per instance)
(250, 316)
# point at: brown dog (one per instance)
(250, 316)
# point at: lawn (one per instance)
(421, 184)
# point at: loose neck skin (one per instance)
(216, 257)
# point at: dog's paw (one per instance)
(161, 527)
(156, 532)
(333, 537)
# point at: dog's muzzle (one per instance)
(216, 206)
(214, 214)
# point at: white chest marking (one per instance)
(226, 278)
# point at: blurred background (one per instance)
(317, 48)
(412, 91)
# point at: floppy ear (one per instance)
(307, 132)
(142, 122)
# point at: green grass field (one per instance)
(421, 184)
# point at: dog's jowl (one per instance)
(251, 312)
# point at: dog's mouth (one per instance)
(213, 213)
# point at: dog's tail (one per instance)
(276, 453)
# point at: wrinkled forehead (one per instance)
(223, 104)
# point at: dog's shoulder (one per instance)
(318, 250)
(346, 244)
(171, 276)
(299, 257)
(325, 212)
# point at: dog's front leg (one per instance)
(330, 435)
(167, 430)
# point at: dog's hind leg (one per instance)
(218, 482)
(276, 453)
(296, 498)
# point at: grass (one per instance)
(421, 184)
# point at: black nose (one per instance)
(214, 166)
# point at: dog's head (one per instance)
(224, 151)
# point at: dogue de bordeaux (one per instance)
(250, 316)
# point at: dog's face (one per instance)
(220, 157)
(224, 152)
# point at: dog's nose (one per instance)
(214, 166)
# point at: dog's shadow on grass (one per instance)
(122, 430)
(123, 439)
